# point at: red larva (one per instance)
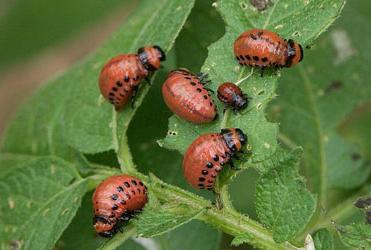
(185, 94)
(206, 156)
(120, 76)
(115, 201)
(231, 95)
(264, 49)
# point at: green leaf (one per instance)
(323, 240)
(300, 20)
(37, 129)
(314, 102)
(346, 170)
(157, 220)
(356, 236)
(282, 200)
(38, 199)
(154, 22)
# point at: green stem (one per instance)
(124, 157)
(238, 224)
(119, 238)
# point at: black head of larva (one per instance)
(240, 102)
(151, 57)
(234, 138)
(162, 53)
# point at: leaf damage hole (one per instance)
(333, 86)
(243, 5)
(65, 211)
(296, 33)
(259, 106)
(261, 5)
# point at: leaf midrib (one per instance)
(320, 134)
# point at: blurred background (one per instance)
(40, 38)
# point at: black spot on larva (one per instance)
(205, 97)
(128, 196)
(111, 94)
(260, 33)
(210, 188)
(134, 182)
(216, 158)
(114, 197)
(193, 83)
(122, 95)
(209, 165)
(133, 192)
(204, 172)
(126, 184)
(119, 84)
(199, 90)
(141, 183)
(201, 185)
(126, 90)
(240, 63)
(120, 189)
(114, 89)
(138, 190)
(187, 77)
(211, 104)
(115, 207)
(253, 36)
(126, 79)
(256, 58)
(112, 216)
(248, 57)
(264, 59)
(123, 202)
(201, 179)
(237, 58)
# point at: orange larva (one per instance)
(184, 93)
(115, 201)
(120, 76)
(264, 49)
(205, 157)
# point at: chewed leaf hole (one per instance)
(243, 5)
(259, 106)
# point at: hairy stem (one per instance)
(124, 157)
(119, 238)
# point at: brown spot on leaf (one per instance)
(334, 85)
(261, 5)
